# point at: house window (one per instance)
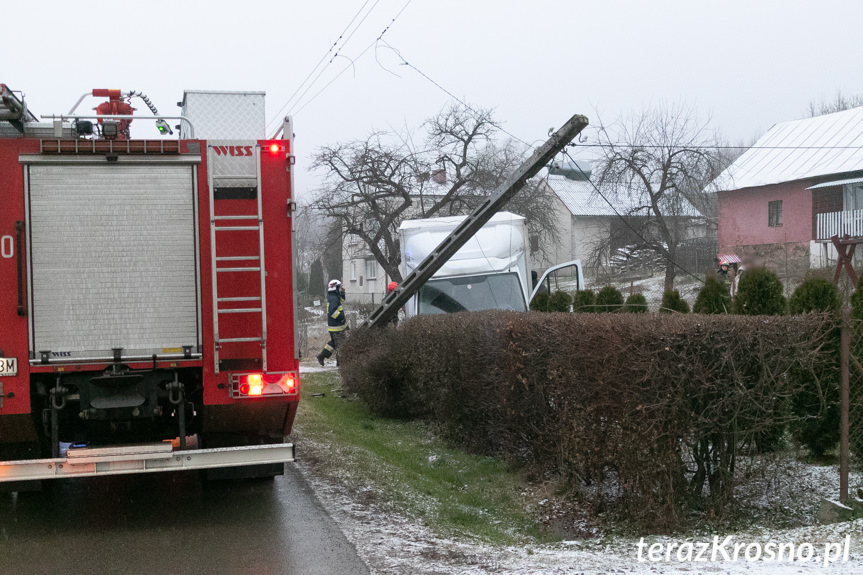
(774, 213)
(534, 243)
(353, 271)
(853, 196)
(371, 269)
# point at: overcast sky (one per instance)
(749, 63)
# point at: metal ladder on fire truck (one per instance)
(237, 223)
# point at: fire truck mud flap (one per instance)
(149, 458)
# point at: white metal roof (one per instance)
(582, 199)
(799, 149)
(835, 183)
(447, 222)
(579, 197)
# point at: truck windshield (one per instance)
(472, 293)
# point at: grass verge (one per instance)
(400, 465)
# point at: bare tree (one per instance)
(372, 185)
(838, 103)
(310, 235)
(656, 165)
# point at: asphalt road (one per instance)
(173, 523)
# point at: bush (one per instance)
(672, 302)
(649, 408)
(817, 404)
(558, 301)
(540, 302)
(815, 294)
(857, 301)
(583, 301)
(609, 299)
(713, 297)
(759, 292)
(635, 304)
(856, 391)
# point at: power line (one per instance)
(324, 57)
(702, 147)
(450, 94)
(342, 47)
(345, 69)
(663, 252)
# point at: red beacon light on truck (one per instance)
(260, 384)
(280, 146)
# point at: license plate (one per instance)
(8, 366)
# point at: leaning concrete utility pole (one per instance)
(476, 220)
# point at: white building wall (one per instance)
(364, 278)
(559, 247)
(822, 254)
(587, 233)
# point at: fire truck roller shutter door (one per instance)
(113, 258)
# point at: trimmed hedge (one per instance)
(713, 297)
(655, 409)
(558, 301)
(583, 301)
(540, 302)
(759, 292)
(608, 300)
(856, 391)
(817, 403)
(636, 303)
(815, 294)
(672, 302)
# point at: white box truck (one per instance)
(489, 272)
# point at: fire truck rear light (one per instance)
(264, 384)
(274, 148)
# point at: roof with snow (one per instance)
(797, 150)
(581, 198)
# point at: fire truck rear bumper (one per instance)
(149, 458)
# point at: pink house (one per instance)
(787, 195)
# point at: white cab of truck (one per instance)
(489, 272)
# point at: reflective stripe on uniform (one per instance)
(337, 312)
(337, 328)
(329, 348)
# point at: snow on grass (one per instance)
(391, 543)
(398, 534)
(329, 367)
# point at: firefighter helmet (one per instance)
(334, 285)
(392, 286)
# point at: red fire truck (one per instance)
(146, 289)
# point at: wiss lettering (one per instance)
(233, 150)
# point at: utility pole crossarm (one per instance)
(476, 220)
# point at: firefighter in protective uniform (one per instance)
(337, 324)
